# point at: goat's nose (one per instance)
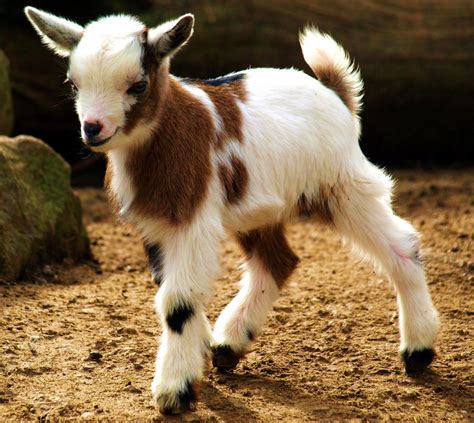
(92, 129)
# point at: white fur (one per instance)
(298, 138)
(296, 134)
(101, 86)
(367, 221)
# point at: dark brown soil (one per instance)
(329, 350)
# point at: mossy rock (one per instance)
(6, 107)
(40, 217)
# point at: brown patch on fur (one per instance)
(234, 179)
(224, 99)
(239, 89)
(269, 244)
(148, 103)
(335, 79)
(320, 207)
(170, 172)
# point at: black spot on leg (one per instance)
(184, 399)
(155, 261)
(417, 361)
(178, 317)
(188, 394)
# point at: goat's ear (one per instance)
(59, 34)
(168, 38)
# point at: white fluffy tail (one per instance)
(333, 67)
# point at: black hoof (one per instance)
(417, 361)
(224, 357)
(176, 404)
(177, 409)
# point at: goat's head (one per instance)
(115, 67)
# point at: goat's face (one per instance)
(113, 67)
(107, 76)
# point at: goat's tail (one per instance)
(333, 67)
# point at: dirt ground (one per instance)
(328, 352)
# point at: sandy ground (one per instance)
(329, 350)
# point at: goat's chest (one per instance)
(157, 184)
(118, 183)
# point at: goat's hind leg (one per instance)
(270, 262)
(364, 217)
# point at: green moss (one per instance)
(40, 217)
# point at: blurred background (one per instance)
(416, 58)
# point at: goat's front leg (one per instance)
(190, 262)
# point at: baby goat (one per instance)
(190, 161)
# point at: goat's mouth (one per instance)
(98, 143)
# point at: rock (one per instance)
(132, 389)
(87, 415)
(346, 328)
(95, 355)
(40, 217)
(6, 106)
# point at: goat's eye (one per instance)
(137, 88)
